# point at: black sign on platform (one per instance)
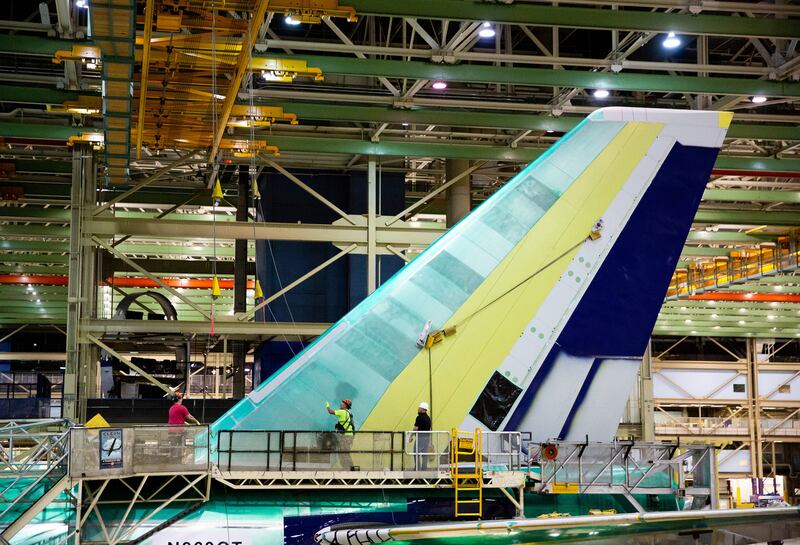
(110, 448)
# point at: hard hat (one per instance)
(423, 406)
(347, 402)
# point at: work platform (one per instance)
(123, 485)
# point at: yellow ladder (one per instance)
(466, 447)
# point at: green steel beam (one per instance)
(694, 251)
(384, 148)
(546, 77)
(35, 95)
(61, 215)
(476, 151)
(7, 268)
(402, 148)
(32, 165)
(757, 163)
(42, 131)
(464, 118)
(422, 115)
(135, 249)
(35, 45)
(34, 231)
(763, 132)
(30, 258)
(574, 17)
(751, 195)
(747, 217)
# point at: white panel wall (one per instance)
(677, 383)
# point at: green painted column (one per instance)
(80, 375)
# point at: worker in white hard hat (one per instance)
(422, 427)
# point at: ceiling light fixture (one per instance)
(289, 20)
(439, 85)
(758, 99)
(83, 4)
(486, 31)
(671, 41)
(601, 93)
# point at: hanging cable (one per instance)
(215, 167)
(526, 279)
(253, 152)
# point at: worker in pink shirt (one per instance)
(178, 414)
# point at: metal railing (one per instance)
(626, 468)
(140, 450)
(430, 450)
(737, 268)
(33, 457)
(31, 446)
(266, 450)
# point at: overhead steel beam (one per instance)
(342, 36)
(747, 217)
(463, 118)
(571, 17)
(751, 195)
(336, 234)
(242, 67)
(232, 329)
(484, 73)
(42, 131)
(35, 45)
(37, 95)
(515, 58)
(403, 148)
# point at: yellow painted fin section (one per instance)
(461, 365)
(725, 119)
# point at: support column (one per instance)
(753, 410)
(240, 281)
(757, 431)
(372, 205)
(458, 195)
(80, 375)
(646, 404)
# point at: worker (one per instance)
(345, 427)
(178, 414)
(422, 429)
